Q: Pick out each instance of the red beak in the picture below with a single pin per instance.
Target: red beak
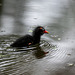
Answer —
(46, 32)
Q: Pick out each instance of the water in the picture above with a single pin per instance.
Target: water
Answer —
(17, 60)
(57, 17)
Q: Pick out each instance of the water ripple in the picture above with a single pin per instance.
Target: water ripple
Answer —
(14, 61)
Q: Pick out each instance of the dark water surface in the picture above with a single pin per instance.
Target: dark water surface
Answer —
(58, 17)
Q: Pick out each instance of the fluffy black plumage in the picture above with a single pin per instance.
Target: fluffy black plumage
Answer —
(28, 40)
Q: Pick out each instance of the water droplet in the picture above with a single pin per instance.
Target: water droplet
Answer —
(69, 54)
(70, 64)
(30, 31)
(59, 39)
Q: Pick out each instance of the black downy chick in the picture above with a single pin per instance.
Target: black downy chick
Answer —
(29, 40)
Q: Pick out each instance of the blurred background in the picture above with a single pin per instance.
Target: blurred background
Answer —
(20, 17)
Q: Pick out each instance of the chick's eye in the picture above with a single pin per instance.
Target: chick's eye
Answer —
(40, 27)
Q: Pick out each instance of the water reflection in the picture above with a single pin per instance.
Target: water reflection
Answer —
(40, 53)
(38, 49)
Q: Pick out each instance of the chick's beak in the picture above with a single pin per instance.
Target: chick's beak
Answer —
(46, 32)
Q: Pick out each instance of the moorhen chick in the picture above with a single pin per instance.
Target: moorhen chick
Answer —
(29, 40)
